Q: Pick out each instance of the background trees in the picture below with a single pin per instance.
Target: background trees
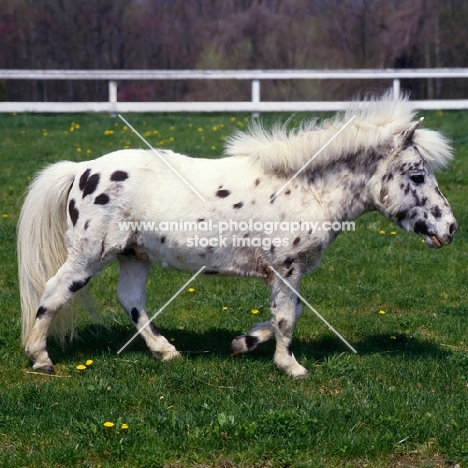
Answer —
(229, 34)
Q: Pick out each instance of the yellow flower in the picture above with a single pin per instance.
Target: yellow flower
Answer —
(109, 424)
(5, 215)
(124, 426)
(255, 311)
(382, 312)
(423, 241)
(200, 129)
(89, 362)
(108, 132)
(381, 231)
(225, 308)
(393, 337)
(81, 367)
(45, 133)
(393, 233)
(78, 149)
(191, 289)
(213, 147)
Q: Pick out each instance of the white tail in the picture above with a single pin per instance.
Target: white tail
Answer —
(41, 241)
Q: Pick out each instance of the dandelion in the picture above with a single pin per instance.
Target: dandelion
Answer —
(124, 426)
(393, 337)
(191, 289)
(213, 147)
(89, 362)
(88, 151)
(382, 312)
(381, 232)
(45, 133)
(108, 132)
(109, 424)
(225, 308)
(78, 149)
(393, 233)
(81, 367)
(5, 215)
(255, 311)
(423, 241)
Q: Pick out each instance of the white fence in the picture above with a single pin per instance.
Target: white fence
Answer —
(255, 105)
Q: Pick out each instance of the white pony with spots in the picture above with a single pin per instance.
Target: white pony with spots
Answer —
(71, 224)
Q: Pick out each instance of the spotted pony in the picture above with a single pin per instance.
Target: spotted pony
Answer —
(71, 222)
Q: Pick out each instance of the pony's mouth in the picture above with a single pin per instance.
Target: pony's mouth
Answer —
(436, 242)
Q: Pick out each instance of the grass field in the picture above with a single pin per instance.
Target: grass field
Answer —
(401, 401)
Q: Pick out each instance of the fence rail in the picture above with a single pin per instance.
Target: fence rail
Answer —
(255, 105)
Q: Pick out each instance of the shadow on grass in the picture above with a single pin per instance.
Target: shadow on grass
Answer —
(94, 340)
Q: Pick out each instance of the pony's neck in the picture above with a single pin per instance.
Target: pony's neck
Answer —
(343, 189)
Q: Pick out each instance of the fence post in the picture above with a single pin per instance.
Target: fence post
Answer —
(396, 88)
(255, 95)
(113, 94)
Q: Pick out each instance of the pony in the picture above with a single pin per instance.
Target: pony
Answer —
(242, 214)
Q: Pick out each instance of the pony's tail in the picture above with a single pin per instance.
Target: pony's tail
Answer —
(41, 240)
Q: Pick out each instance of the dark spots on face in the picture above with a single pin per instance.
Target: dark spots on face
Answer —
(135, 314)
(223, 193)
(119, 176)
(73, 211)
(383, 193)
(420, 227)
(288, 192)
(238, 205)
(407, 189)
(296, 240)
(272, 198)
(251, 342)
(102, 199)
(436, 212)
(91, 185)
(211, 272)
(77, 285)
(401, 215)
(86, 224)
(282, 324)
(154, 330)
(402, 186)
(40, 312)
(387, 177)
(162, 239)
(423, 201)
(289, 261)
(84, 179)
(257, 181)
(289, 273)
(128, 252)
(200, 220)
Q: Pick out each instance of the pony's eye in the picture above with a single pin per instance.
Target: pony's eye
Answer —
(417, 179)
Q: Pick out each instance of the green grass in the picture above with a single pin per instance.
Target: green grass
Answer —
(401, 401)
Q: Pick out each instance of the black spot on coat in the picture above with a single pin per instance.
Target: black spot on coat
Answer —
(73, 211)
(238, 205)
(102, 199)
(77, 285)
(91, 184)
(251, 342)
(223, 193)
(119, 176)
(135, 315)
(40, 312)
(84, 179)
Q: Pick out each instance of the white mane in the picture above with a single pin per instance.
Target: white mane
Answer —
(281, 151)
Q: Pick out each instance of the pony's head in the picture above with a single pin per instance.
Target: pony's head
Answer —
(406, 189)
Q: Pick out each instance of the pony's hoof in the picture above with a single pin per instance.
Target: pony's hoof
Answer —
(170, 355)
(44, 369)
(298, 372)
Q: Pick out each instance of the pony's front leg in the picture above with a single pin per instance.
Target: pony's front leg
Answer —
(131, 293)
(286, 309)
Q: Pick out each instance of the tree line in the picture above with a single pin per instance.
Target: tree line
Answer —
(230, 34)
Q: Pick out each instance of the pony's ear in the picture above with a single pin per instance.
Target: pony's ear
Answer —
(408, 135)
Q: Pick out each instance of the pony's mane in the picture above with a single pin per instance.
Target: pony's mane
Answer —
(376, 121)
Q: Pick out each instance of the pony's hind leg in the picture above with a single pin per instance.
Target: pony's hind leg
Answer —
(132, 296)
(69, 279)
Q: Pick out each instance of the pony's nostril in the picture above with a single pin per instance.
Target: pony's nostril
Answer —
(453, 227)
